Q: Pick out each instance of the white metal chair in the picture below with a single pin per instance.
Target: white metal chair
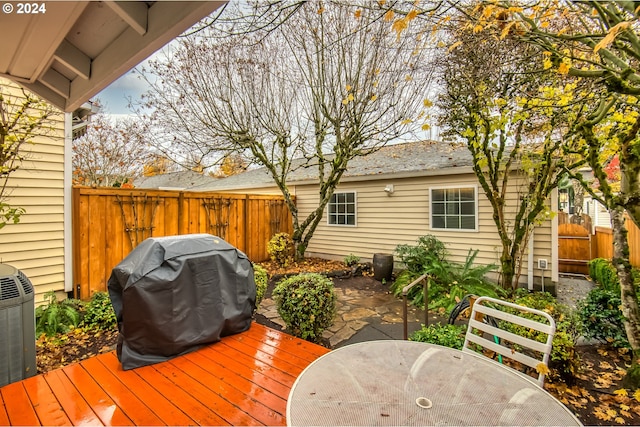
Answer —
(506, 343)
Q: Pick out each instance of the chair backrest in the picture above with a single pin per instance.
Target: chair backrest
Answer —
(493, 336)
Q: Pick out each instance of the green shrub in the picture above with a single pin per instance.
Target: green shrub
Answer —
(448, 282)
(564, 361)
(261, 279)
(57, 316)
(602, 318)
(98, 313)
(445, 335)
(280, 249)
(604, 273)
(306, 303)
(351, 260)
(427, 254)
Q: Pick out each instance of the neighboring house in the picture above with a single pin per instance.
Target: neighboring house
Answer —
(399, 193)
(40, 244)
(174, 180)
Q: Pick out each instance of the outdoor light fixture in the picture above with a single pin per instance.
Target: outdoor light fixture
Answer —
(389, 189)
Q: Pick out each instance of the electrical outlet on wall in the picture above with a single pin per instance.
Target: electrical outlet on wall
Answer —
(542, 264)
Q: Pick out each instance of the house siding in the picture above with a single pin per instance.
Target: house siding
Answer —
(36, 244)
(383, 222)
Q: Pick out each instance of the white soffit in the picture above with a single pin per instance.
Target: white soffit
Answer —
(67, 52)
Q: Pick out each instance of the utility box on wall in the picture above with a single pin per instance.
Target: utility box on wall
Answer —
(17, 326)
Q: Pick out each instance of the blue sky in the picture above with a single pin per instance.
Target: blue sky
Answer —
(115, 97)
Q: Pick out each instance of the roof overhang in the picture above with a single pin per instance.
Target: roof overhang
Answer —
(72, 50)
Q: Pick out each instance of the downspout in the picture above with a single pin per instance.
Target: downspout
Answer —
(67, 212)
(554, 240)
(530, 262)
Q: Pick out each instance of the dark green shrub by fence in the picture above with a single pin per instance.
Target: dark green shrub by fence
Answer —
(280, 249)
(604, 273)
(98, 313)
(57, 316)
(307, 303)
(600, 313)
(261, 278)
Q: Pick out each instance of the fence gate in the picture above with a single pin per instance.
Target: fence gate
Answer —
(574, 249)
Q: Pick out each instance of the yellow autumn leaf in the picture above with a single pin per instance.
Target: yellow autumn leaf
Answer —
(408, 78)
(357, 14)
(350, 97)
(563, 68)
(544, 24)
(621, 392)
(320, 11)
(405, 122)
(506, 29)
(382, 2)
(611, 35)
(541, 368)
(375, 84)
(348, 87)
(389, 16)
(426, 126)
(620, 420)
(345, 102)
(427, 103)
(455, 45)
(374, 97)
(399, 26)
(412, 15)
(478, 28)
(612, 412)
(636, 395)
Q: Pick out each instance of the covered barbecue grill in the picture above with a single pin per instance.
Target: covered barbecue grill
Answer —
(174, 294)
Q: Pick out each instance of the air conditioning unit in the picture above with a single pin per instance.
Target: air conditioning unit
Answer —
(17, 326)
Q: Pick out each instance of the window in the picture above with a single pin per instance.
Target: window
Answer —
(454, 208)
(342, 209)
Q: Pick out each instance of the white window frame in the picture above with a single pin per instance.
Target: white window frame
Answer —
(459, 187)
(355, 209)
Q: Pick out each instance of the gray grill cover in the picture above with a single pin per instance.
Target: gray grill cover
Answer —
(172, 295)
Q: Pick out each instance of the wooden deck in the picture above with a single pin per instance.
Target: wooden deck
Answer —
(242, 380)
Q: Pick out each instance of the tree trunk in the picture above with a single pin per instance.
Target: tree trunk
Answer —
(628, 295)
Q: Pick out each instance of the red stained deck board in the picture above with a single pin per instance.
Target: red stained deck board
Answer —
(18, 404)
(159, 404)
(249, 372)
(101, 404)
(239, 402)
(4, 418)
(242, 380)
(46, 405)
(73, 404)
(131, 405)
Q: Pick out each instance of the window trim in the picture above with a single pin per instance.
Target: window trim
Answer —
(474, 187)
(355, 209)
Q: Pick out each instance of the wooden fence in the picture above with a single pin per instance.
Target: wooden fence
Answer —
(109, 223)
(602, 243)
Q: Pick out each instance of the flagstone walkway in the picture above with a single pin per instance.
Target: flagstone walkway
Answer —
(366, 310)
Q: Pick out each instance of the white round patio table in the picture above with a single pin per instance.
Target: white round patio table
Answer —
(412, 383)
